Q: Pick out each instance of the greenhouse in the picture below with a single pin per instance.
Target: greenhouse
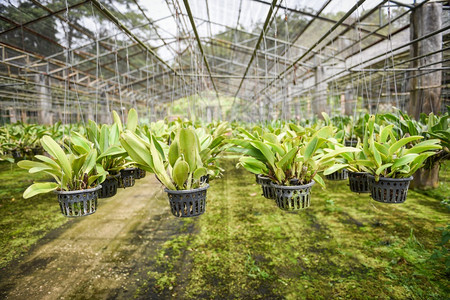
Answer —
(212, 149)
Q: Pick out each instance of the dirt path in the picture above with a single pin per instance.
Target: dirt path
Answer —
(103, 256)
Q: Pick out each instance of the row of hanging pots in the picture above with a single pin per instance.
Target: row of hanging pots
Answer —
(385, 190)
(84, 202)
(296, 197)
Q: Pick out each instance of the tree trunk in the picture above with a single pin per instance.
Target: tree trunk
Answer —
(426, 179)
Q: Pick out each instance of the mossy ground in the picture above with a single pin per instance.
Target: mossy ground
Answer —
(344, 246)
(23, 221)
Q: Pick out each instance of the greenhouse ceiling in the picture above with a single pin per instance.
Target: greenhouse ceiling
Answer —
(113, 54)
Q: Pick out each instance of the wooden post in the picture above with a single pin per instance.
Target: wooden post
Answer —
(425, 94)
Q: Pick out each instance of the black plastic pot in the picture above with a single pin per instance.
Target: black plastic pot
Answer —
(257, 179)
(127, 177)
(17, 154)
(37, 150)
(389, 190)
(187, 203)
(109, 186)
(267, 189)
(358, 182)
(139, 173)
(78, 203)
(350, 143)
(204, 179)
(338, 175)
(294, 197)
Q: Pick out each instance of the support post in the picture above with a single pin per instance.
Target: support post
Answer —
(349, 101)
(425, 94)
(44, 105)
(209, 114)
(319, 103)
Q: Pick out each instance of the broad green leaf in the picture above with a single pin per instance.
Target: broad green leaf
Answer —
(187, 147)
(317, 178)
(117, 121)
(334, 168)
(385, 133)
(112, 151)
(404, 160)
(180, 172)
(55, 150)
(39, 188)
(288, 159)
(173, 153)
(419, 149)
(266, 151)
(132, 120)
(199, 173)
(136, 148)
(311, 148)
(382, 168)
(397, 145)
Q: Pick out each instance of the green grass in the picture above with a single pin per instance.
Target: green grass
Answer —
(345, 245)
(23, 221)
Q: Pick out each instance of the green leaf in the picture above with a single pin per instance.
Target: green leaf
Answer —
(288, 159)
(112, 151)
(199, 173)
(180, 172)
(188, 147)
(382, 168)
(334, 168)
(117, 121)
(317, 178)
(402, 142)
(55, 150)
(132, 120)
(311, 148)
(136, 149)
(266, 151)
(253, 165)
(385, 133)
(39, 188)
(404, 160)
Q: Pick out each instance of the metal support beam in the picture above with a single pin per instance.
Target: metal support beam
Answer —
(266, 24)
(119, 24)
(200, 47)
(335, 26)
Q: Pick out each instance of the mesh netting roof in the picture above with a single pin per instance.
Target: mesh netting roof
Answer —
(126, 53)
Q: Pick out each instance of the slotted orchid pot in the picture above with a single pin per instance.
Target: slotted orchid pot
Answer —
(390, 163)
(77, 178)
(180, 170)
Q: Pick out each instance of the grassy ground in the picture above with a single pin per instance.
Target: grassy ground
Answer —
(23, 221)
(345, 245)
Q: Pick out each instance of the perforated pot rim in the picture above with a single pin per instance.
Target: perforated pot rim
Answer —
(370, 176)
(113, 176)
(186, 191)
(358, 173)
(79, 191)
(129, 169)
(293, 187)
